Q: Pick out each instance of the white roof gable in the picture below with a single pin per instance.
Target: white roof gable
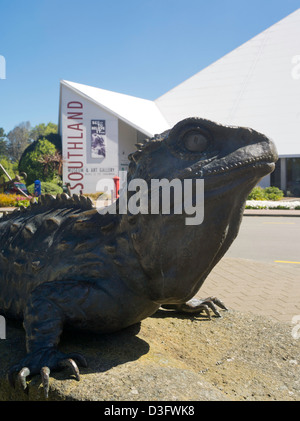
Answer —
(256, 85)
(142, 114)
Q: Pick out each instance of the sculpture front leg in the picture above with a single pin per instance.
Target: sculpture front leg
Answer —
(44, 316)
(196, 306)
(42, 361)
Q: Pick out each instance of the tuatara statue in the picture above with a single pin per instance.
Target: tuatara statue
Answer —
(64, 264)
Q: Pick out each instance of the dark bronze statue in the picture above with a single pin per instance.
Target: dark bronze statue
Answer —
(64, 264)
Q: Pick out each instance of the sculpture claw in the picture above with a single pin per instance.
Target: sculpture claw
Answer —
(79, 358)
(45, 373)
(41, 361)
(196, 306)
(208, 303)
(71, 363)
(216, 301)
(22, 376)
(205, 308)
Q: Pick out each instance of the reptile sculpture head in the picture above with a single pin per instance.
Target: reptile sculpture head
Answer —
(231, 161)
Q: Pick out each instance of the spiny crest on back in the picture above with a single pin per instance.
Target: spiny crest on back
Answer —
(48, 201)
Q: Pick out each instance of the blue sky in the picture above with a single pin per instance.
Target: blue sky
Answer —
(138, 47)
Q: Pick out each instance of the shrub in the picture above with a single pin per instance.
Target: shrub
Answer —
(269, 193)
(273, 193)
(257, 194)
(30, 161)
(47, 188)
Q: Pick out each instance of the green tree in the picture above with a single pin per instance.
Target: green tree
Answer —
(48, 158)
(3, 143)
(18, 140)
(41, 130)
(10, 167)
(39, 162)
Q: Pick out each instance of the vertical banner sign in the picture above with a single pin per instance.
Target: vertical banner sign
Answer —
(98, 139)
(90, 143)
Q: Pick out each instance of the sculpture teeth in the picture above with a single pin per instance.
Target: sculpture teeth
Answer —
(234, 165)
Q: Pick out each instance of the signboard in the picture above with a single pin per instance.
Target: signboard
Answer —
(90, 142)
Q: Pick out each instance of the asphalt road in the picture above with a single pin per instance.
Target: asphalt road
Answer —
(268, 239)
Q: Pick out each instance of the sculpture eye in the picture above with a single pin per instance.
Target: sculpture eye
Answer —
(195, 141)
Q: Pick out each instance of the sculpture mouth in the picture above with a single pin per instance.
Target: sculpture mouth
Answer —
(263, 164)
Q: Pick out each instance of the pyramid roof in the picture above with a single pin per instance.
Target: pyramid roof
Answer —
(256, 85)
(142, 114)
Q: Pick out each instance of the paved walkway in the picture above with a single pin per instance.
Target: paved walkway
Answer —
(270, 289)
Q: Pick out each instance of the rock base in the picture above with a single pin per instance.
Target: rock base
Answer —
(170, 357)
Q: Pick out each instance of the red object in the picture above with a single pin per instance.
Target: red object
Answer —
(117, 185)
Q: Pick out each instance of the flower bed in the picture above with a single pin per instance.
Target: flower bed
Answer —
(13, 200)
(268, 204)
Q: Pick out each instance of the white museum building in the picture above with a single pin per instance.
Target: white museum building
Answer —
(256, 85)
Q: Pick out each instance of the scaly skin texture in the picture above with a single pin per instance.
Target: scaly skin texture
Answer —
(63, 264)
